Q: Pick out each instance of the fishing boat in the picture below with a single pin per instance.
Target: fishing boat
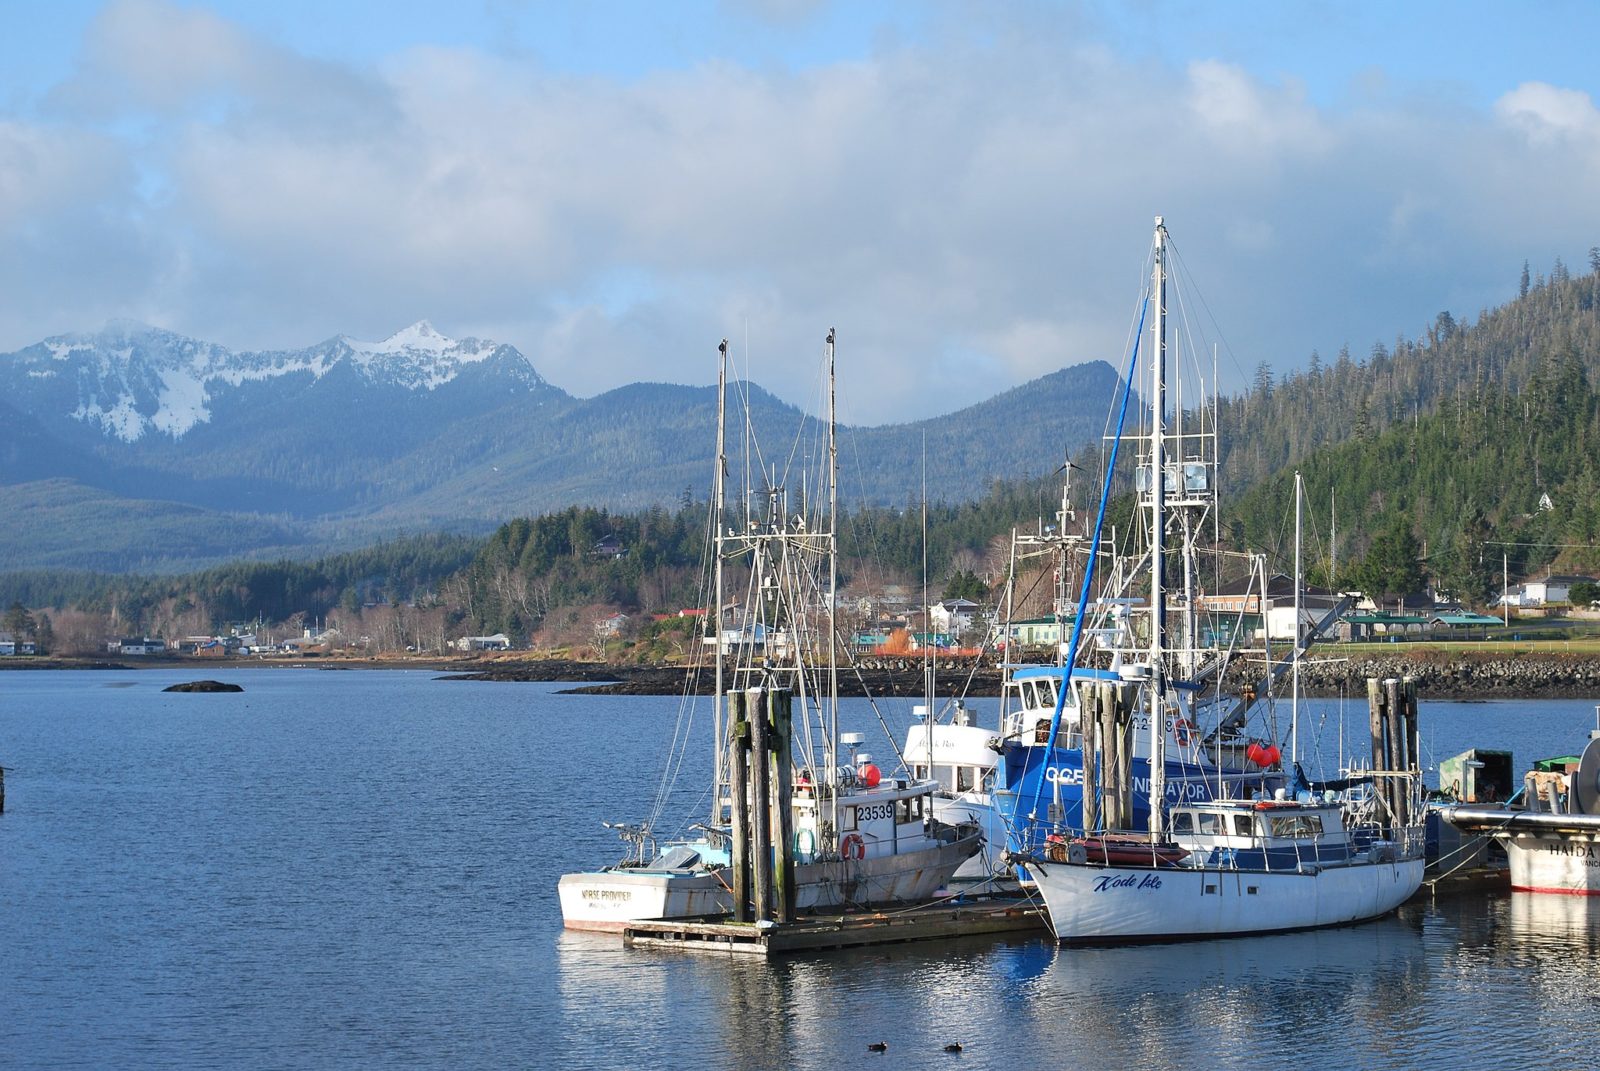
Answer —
(964, 764)
(801, 818)
(1228, 854)
(1551, 829)
(1217, 661)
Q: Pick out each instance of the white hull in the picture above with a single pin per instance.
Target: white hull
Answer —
(977, 809)
(1555, 863)
(608, 900)
(1090, 903)
(1553, 853)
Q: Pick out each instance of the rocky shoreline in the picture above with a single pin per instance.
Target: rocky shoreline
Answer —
(1439, 675)
(1526, 676)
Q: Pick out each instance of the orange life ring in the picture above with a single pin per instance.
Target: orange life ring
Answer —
(853, 847)
(1181, 729)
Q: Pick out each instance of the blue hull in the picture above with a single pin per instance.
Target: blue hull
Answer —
(1043, 796)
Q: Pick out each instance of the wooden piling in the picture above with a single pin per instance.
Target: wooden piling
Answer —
(1116, 739)
(1089, 722)
(1395, 732)
(780, 705)
(739, 813)
(1378, 726)
(760, 801)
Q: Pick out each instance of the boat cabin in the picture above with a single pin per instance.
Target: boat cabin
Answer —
(887, 818)
(1261, 834)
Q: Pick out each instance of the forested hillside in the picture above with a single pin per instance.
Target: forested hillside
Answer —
(1471, 449)
(1283, 419)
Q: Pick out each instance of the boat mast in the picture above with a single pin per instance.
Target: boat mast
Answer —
(1158, 520)
(833, 584)
(1294, 698)
(717, 492)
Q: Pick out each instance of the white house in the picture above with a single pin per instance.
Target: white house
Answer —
(498, 642)
(953, 616)
(1550, 589)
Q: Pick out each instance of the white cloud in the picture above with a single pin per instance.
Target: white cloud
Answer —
(1546, 113)
(968, 214)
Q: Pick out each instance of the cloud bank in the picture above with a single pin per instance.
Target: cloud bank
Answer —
(969, 211)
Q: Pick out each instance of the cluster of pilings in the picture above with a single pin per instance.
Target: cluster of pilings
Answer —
(1105, 709)
(760, 742)
(1392, 709)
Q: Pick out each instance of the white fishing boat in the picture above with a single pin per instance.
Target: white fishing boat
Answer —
(1244, 860)
(1551, 829)
(964, 764)
(792, 827)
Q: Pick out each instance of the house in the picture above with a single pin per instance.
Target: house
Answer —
(610, 546)
(1242, 608)
(610, 626)
(498, 642)
(1550, 590)
(954, 616)
(11, 645)
(140, 645)
(1038, 632)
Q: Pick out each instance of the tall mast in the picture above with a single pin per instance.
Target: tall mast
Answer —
(1294, 698)
(717, 525)
(1158, 521)
(833, 580)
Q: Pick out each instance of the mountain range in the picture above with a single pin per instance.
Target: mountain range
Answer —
(135, 448)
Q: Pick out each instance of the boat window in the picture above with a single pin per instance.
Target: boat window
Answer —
(1211, 823)
(1041, 731)
(1183, 822)
(1299, 825)
(1244, 825)
(1047, 693)
(987, 785)
(909, 810)
(919, 771)
(847, 820)
(964, 778)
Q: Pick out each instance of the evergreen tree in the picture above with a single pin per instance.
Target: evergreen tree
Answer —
(1392, 565)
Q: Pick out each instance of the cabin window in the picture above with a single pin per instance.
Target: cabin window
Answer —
(1183, 822)
(987, 784)
(1211, 824)
(964, 778)
(919, 772)
(1041, 731)
(1244, 825)
(909, 810)
(1299, 825)
(848, 819)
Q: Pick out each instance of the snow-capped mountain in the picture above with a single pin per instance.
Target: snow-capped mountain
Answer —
(137, 448)
(129, 380)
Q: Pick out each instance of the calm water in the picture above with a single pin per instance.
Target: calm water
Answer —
(358, 869)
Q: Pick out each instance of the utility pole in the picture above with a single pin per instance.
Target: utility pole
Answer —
(1505, 590)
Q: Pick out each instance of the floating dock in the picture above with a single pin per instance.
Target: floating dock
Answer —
(816, 933)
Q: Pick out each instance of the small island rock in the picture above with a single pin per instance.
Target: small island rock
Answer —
(203, 686)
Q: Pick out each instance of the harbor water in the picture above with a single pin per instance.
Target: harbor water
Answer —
(358, 869)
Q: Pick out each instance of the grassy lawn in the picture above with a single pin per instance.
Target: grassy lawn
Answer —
(1541, 636)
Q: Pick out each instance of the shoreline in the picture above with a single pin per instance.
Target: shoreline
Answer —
(1466, 676)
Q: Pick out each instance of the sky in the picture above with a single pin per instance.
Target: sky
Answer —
(963, 190)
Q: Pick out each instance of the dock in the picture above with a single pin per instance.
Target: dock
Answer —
(819, 932)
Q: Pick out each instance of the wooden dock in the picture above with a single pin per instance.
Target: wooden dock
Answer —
(817, 932)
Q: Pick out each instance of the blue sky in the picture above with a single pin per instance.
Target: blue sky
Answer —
(964, 190)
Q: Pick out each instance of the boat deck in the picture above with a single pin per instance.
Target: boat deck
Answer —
(818, 932)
